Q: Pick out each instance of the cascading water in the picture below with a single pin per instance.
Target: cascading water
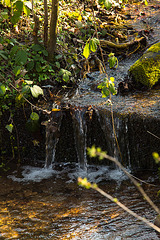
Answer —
(52, 137)
(80, 136)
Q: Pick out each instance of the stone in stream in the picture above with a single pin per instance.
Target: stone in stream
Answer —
(146, 70)
(144, 73)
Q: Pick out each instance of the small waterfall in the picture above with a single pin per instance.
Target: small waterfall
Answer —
(121, 129)
(52, 137)
(105, 122)
(80, 136)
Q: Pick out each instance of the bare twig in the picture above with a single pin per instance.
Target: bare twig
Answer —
(135, 182)
(153, 135)
(126, 209)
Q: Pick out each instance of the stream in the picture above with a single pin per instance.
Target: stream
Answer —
(48, 204)
(45, 202)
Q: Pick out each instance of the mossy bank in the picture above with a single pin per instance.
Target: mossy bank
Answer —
(146, 70)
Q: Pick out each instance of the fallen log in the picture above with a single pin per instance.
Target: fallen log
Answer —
(123, 46)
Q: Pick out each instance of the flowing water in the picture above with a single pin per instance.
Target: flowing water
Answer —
(40, 203)
(47, 203)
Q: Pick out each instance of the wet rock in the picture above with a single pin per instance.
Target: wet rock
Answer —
(146, 71)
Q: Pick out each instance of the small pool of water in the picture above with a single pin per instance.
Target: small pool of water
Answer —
(48, 204)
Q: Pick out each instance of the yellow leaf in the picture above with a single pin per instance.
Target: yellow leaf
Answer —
(35, 142)
(80, 18)
(114, 215)
(55, 109)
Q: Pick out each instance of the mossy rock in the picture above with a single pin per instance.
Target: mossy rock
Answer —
(146, 70)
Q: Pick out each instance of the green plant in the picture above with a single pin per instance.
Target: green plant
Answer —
(15, 10)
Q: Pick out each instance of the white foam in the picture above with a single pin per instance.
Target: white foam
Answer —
(34, 174)
(93, 173)
(97, 174)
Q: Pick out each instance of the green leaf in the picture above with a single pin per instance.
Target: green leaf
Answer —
(15, 18)
(57, 64)
(65, 74)
(105, 92)
(45, 53)
(37, 48)
(13, 50)
(9, 127)
(112, 60)
(93, 44)
(25, 89)
(21, 57)
(26, 10)
(101, 85)
(4, 14)
(30, 65)
(112, 89)
(2, 90)
(38, 67)
(17, 70)
(2, 54)
(59, 56)
(36, 91)
(18, 5)
(86, 51)
(107, 4)
(34, 116)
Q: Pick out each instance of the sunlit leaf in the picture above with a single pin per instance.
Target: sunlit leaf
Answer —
(55, 110)
(9, 127)
(92, 45)
(86, 51)
(29, 82)
(156, 157)
(65, 74)
(112, 89)
(112, 61)
(146, 2)
(2, 90)
(80, 18)
(8, 3)
(17, 70)
(105, 92)
(36, 91)
(26, 10)
(107, 4)
(34, 116)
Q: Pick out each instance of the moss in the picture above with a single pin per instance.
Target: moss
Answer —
(147, 69)
(154, 48)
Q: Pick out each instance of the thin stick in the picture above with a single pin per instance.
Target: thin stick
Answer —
(138, 186)
(153, 135)
(126, 209)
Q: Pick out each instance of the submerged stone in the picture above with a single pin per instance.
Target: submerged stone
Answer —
(146, 70)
